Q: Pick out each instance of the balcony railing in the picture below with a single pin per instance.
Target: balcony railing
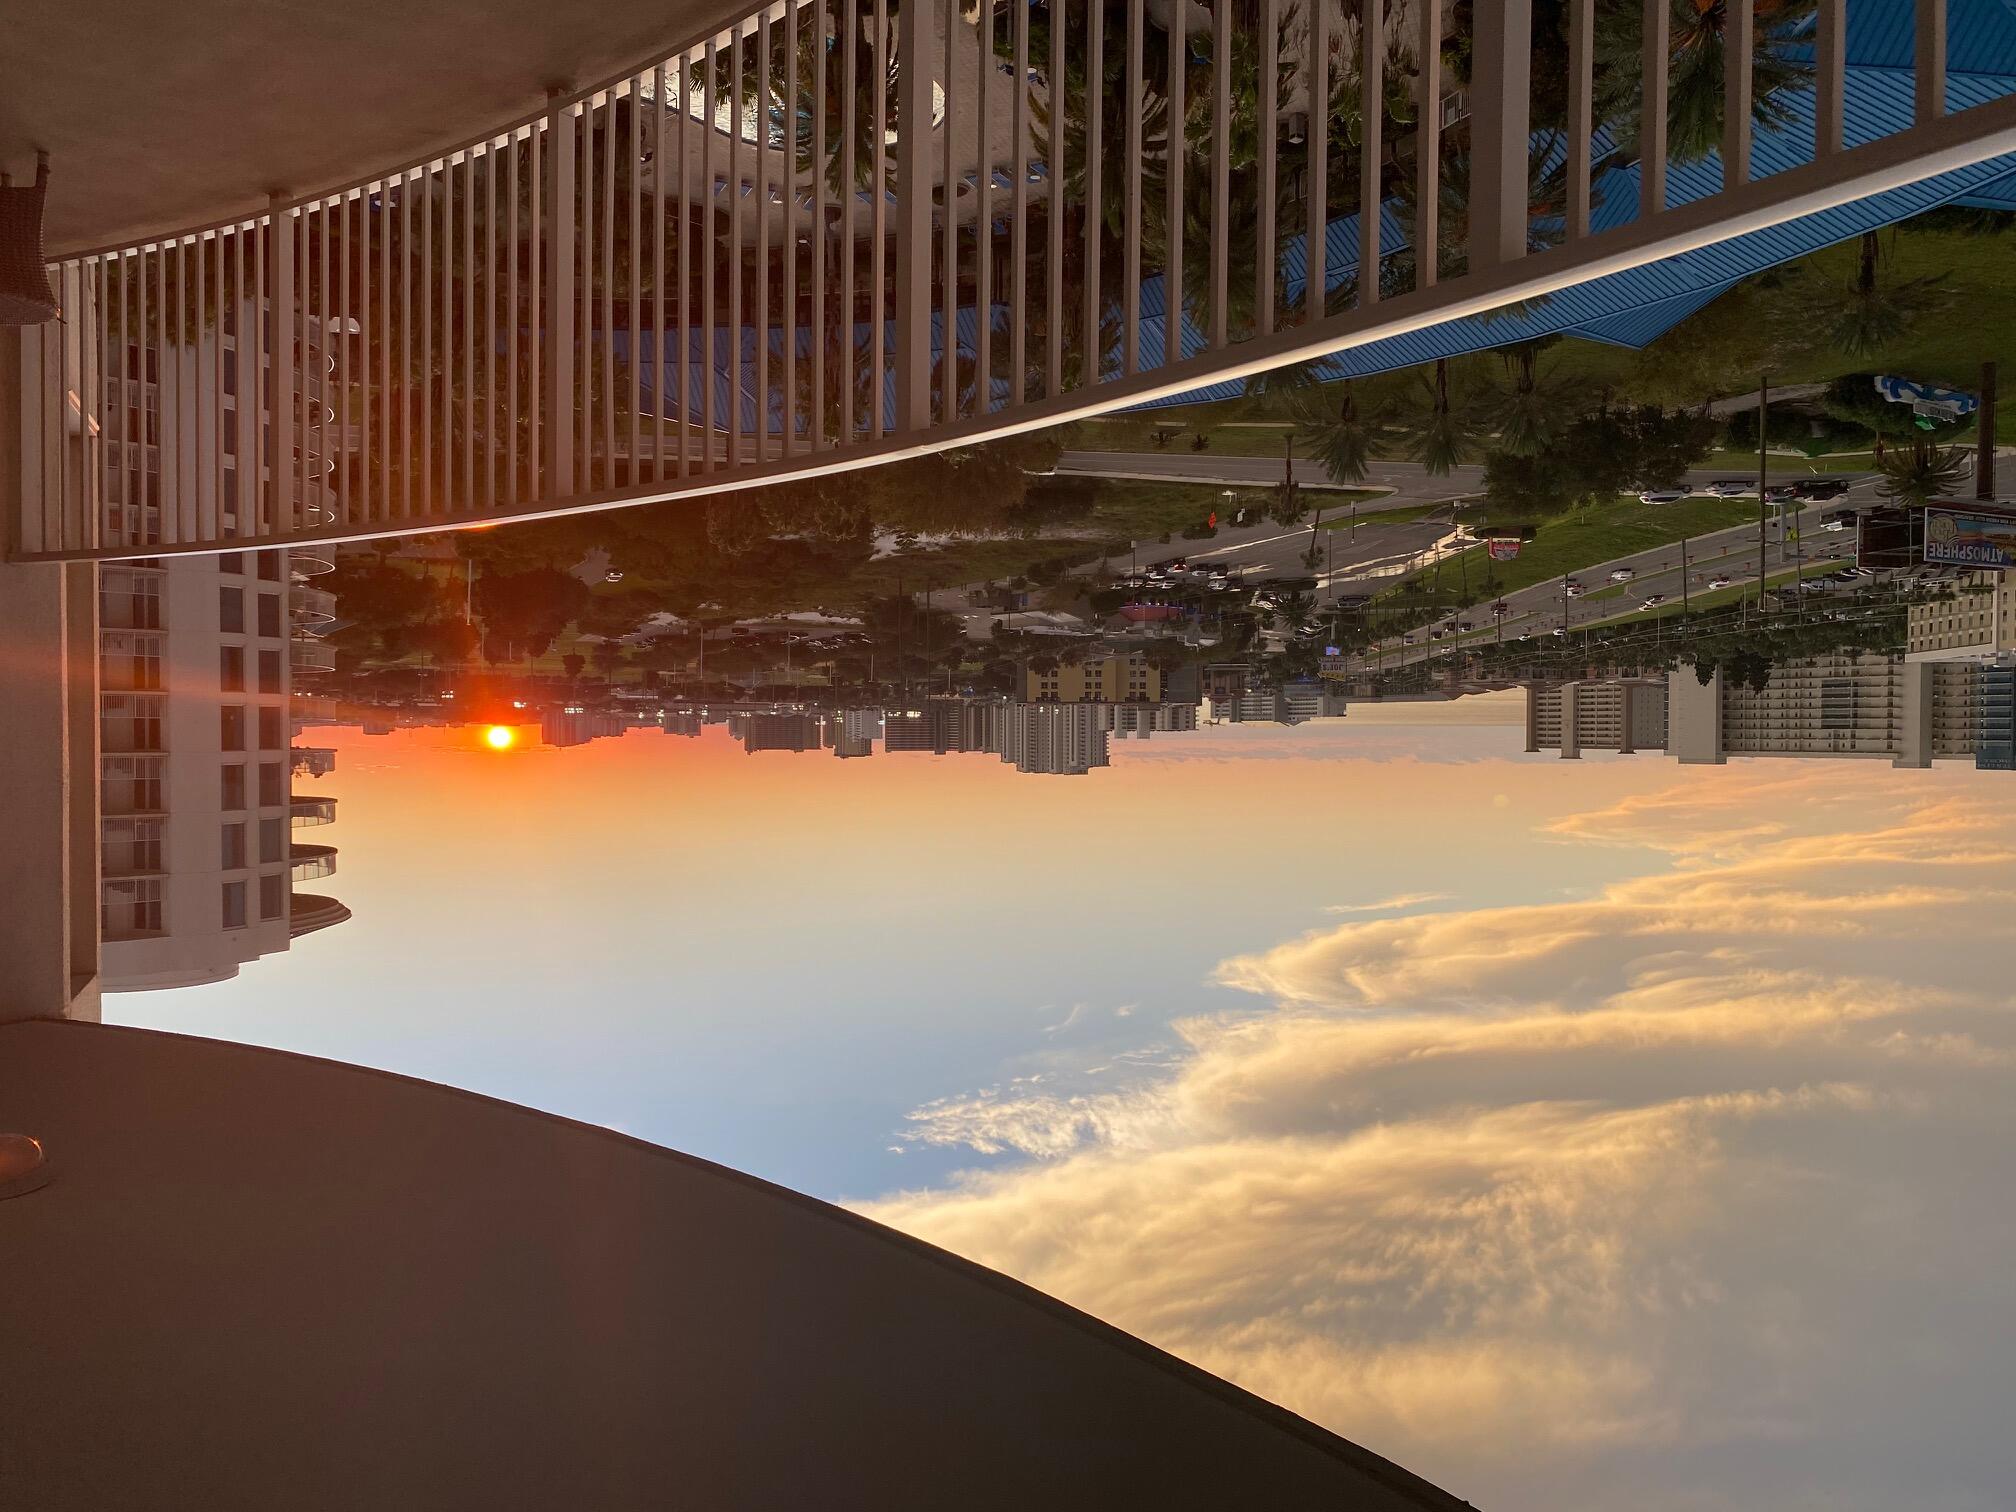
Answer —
(308, 862)
(309, 810)
(588, 308)
(311, 654)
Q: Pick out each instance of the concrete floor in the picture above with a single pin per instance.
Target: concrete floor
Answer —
(261, 1280)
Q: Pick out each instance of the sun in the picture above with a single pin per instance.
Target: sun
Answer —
(500, 737)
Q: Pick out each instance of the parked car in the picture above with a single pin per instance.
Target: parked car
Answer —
(1462, 624)
(1622, 574)
(1437, 633)
(1730, 488)
(1820, 489)
(1783, 493)
(1665, 495)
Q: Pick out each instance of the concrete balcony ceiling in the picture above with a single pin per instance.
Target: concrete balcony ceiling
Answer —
(161, 117)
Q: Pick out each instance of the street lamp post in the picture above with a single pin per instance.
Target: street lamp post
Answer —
(1763, 481)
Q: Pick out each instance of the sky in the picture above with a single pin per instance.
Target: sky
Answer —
(1574, 1133)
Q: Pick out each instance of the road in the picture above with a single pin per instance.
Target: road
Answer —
(1731, 554)
(1268, 551)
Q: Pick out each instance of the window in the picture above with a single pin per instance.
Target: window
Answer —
(269, 672)
(269, 614)
(233, 786)
(131, 661)
(130, 908)
(272, 841)
(234, 905)
(272, 728)
(269, 565)
(130, 722)
(231, 561)
(272, 784)
(231, 731)
(130, 845)
(234, 847)
(132, 784)
(272, 896)
(231, 669)
(231, 610)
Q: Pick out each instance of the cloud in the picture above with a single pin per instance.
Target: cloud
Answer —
(1693, 1193)
(1390, 905)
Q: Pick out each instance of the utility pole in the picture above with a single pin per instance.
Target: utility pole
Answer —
(1763, 481)
(1984, 438)
(1686, 606)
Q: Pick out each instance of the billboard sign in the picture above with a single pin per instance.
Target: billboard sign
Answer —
(1502, 551)
(1960, 539)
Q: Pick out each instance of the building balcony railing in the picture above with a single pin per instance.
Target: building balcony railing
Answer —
(312, 861)
(312, 606)
(311, 654)
(308, 810)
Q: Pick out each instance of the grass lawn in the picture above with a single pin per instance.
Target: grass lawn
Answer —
(1572, 543)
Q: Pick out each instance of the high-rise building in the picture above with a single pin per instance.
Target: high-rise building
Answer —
(1146, 719)
(576, 724)
(1056, 738)
(852, 732)
(684, 722)
(944, 726)
(1995, 734)
(1291, 704)
(1977, 624)
(780, 732)
(197, 657)
(1623, 714)
(1849, 704)
(1121, 677)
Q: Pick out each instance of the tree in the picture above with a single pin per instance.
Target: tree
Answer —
(528, 609)
(1923, 472)
(1339, 440)
(1698, 49)
(1444, 436)
(1527, 417)
(1865, 315)
(574, 664)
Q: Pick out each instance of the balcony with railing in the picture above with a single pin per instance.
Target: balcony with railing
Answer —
(310, 653)
(308, 810)
(731, 264)
(308, 862)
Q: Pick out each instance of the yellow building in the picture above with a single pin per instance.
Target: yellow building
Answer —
(1131, 678)
(1978, 622)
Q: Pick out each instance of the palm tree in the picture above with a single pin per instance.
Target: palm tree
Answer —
(1922, 473)
(1697, 48)
(1865, 315)
(1341, 441)
(1525, 417)
(1444, 436)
